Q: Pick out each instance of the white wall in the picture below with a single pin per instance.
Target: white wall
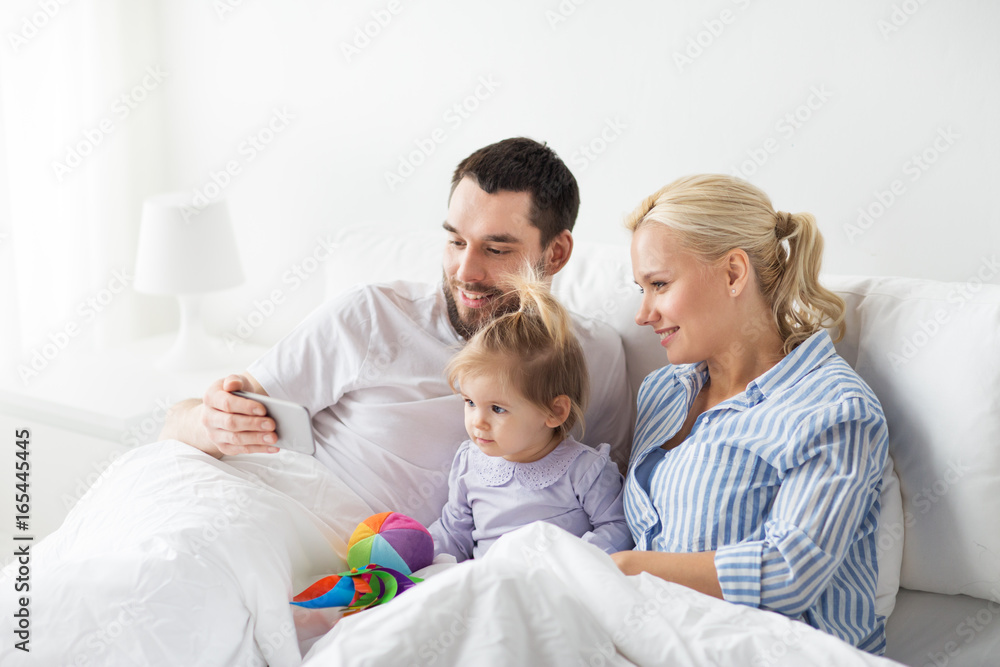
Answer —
(887, 81)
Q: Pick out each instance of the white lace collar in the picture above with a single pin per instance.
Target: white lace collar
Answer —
(497, 471)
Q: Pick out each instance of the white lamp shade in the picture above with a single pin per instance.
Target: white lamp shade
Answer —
(184, 248)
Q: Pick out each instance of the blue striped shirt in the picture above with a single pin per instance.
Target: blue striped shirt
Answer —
(782, 481)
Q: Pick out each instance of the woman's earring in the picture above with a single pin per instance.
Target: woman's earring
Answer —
(734, 291)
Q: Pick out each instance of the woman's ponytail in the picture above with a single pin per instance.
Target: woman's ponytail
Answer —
(801, 306)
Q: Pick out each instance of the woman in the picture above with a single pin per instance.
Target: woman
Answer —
(757, 460)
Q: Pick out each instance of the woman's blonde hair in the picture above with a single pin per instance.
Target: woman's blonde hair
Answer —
(713, 214)
(532, 350)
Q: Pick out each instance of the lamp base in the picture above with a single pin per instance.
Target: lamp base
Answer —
(194, 349)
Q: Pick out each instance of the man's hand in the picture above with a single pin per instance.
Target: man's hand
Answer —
(236, 425)
(223, 424)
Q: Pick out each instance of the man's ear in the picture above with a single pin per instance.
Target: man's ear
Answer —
(557, 253)
(559, 410)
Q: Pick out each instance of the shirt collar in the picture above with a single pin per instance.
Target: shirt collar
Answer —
(497, 471)
(806, 357)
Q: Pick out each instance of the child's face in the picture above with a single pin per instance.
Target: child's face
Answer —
(505, 423)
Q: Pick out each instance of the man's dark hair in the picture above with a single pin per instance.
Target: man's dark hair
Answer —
(524, 165)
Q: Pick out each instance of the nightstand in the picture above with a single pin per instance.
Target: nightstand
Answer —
(117, 395)
(84, 410)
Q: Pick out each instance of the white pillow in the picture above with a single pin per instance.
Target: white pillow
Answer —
(931, 352)
(371, 254)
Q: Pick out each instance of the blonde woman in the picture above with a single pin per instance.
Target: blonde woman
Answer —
(756, 465)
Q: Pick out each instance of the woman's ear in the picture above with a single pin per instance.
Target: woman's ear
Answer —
(737, 270)
(559, 410)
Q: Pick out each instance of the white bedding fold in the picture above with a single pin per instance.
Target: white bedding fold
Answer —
(542, 596)
(176, 558)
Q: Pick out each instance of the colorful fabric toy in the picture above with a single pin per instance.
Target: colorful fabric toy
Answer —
(357, 590)
(384, 550)
(392, 540)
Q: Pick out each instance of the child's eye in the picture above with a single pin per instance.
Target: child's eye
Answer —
(469, 403)
(497, 409)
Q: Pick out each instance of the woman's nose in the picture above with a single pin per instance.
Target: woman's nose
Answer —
(645, 314)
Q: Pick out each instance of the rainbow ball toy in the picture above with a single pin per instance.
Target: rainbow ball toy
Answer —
(392, 540)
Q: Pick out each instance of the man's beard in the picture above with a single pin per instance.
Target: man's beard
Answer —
(499, 305)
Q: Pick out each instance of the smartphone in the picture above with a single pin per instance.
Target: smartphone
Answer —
(291, 422)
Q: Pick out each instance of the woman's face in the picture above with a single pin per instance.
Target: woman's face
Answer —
(684, 300)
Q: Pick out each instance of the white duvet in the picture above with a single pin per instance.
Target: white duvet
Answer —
(177, 559)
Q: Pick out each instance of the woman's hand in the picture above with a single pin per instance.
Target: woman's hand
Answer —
(694, 570)
(624, 560)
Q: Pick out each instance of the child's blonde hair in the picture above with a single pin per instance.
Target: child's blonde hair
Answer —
(532, 350)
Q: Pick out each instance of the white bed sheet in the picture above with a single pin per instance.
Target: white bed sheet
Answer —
(944, 630)
(175, 558)
(544, 597)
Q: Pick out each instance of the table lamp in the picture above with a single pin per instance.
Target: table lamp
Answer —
(187, 251)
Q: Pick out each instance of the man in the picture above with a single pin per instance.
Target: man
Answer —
(369, 365)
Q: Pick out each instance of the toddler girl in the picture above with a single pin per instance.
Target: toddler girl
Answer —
(525, 382)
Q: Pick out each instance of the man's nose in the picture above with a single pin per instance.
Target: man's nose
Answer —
(470, 268)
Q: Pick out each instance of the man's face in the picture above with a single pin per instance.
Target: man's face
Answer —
(488, 236)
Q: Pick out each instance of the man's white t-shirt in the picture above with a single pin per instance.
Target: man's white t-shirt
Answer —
(369, 367)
